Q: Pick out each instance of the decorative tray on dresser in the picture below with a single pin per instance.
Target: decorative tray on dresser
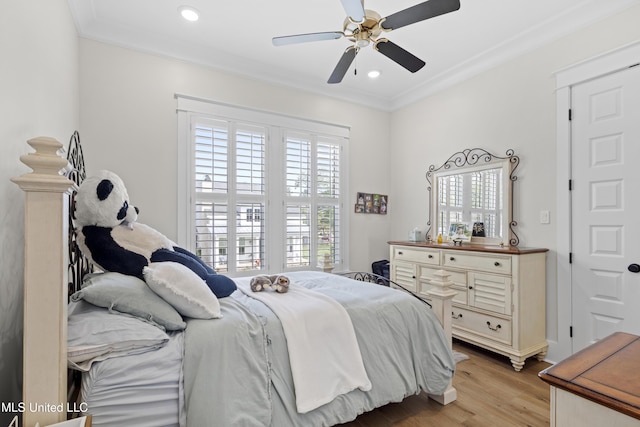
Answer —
(501, 297)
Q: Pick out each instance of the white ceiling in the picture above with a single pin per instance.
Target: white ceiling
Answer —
(235, 36)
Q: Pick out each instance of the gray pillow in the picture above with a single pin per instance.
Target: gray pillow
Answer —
(94, 335)
(121, 293)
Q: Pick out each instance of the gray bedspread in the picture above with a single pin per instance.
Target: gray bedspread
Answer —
(236, 369)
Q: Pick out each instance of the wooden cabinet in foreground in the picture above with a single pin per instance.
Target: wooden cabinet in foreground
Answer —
(501, 297)
(598, 386)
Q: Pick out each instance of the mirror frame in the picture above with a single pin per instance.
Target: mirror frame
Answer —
(473, 157)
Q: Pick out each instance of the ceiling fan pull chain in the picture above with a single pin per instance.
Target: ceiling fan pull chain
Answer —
(355, 63)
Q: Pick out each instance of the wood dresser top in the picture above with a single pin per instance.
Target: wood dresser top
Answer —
(511, 250)
(607, 372)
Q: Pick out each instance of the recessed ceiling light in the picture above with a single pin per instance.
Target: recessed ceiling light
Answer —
(373, 74)
(189, 13)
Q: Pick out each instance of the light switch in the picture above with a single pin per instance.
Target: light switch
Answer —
(544, 217)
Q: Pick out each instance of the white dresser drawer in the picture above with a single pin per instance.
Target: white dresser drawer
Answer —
(424, 256)
(489, 263)
(494, 328)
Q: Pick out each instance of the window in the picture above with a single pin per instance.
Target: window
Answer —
(312, 192)
(260, 191)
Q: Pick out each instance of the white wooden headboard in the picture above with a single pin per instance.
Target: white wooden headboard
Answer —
(46, 226)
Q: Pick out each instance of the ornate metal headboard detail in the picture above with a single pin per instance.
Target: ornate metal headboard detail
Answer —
(363, 276)
(474, 157)
(78, 264)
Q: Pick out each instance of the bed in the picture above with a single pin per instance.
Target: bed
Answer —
(239, 369)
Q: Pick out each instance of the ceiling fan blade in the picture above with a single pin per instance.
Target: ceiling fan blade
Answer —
(354, 9)
(419, 12)
(343, 65)
(304, 38)
(399, 55)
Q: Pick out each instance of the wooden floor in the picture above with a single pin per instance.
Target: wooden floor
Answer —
(490, 394)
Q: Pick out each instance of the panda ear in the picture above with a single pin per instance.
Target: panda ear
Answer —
(104, 189)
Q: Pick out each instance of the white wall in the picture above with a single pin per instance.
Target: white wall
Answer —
(510, 106)
(129, 125)
(39, 87)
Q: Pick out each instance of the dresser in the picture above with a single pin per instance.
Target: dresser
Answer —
(501, 297)
(598, 386)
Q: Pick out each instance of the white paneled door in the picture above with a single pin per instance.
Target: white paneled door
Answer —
(605, 207)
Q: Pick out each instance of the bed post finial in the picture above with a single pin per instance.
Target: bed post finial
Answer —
(45, 281)
(47, 165)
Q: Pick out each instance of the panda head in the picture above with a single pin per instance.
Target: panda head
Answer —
(102, 200)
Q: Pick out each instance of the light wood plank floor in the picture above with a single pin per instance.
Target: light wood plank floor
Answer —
(490, 394)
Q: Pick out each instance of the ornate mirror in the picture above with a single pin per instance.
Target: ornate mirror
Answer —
(471, 198)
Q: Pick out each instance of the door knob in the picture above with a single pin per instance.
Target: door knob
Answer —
(634, 268)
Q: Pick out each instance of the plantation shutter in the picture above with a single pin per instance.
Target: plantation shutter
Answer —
(313, 192)
(260, 191)
(230, 194)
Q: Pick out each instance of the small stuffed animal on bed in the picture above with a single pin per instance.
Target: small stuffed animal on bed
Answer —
(259, 283)
(280, 283)
(275, 282)
(110, 237)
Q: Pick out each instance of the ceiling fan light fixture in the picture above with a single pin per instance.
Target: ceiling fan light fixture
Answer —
(362, 28)
(362, 38)
(189, 13)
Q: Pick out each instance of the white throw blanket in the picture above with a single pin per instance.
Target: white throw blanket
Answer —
(323, 350)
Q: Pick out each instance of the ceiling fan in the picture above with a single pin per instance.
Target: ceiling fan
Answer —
(363, 26)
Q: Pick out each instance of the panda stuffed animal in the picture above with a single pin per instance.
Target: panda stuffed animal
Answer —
(110, 237)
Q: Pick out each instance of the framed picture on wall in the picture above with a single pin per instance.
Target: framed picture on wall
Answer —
(371, 203)
(384, 199)
(368, 203)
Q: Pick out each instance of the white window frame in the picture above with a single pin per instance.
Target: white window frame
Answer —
(275, 229)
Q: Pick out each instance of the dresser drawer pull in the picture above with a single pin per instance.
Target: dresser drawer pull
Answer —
(430, 256)
(497, 264)
(400, 253)
(496, 329)
(454, 316)
(452, 259)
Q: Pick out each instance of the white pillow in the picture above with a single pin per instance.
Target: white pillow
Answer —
(183, 289)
